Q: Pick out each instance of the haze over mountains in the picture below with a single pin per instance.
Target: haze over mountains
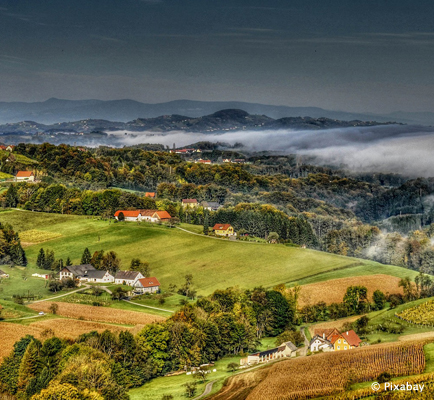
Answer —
(58, 110)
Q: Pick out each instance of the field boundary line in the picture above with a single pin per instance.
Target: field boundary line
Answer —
(216, 238)
(153, 308)
(61, 295)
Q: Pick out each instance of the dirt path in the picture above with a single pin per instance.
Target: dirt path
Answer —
(62, 295)
(154, 308)
(216, 238)
(303, 350)
(207, 390)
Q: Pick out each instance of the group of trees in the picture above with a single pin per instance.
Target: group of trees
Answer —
(306, 204)
(11, 251)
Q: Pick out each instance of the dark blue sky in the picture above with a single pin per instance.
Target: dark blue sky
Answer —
(348, 55)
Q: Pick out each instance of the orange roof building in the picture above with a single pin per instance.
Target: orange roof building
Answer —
(223, 230)
(147, 285)
(24, 176)
(150, 194)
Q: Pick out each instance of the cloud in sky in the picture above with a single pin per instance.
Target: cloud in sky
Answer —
(391, 148)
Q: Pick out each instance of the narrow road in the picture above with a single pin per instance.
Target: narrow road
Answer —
(154, 308)
(207, 390)
(62, 295)
(303, 350)
(216, 238)
(18, 319)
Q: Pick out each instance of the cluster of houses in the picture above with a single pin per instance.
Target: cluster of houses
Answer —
(323, 340)
(87, 273)
(207, 205)
(333, 340)
(143, 215)
(7, 147)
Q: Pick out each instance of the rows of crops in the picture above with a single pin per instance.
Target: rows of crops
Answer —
(422, 314)
(101, 314)
(330, 373)
(427, 380)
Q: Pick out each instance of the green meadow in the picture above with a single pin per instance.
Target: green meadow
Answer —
(173, 253)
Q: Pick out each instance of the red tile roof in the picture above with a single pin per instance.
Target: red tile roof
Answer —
(327, 333)
(24, 174)
(352, 338)
(334, 338)
(163, 215)
(127, 213)
(148, 213)
(150, 194)
(221, 227)
(189, 201)
(149, 282)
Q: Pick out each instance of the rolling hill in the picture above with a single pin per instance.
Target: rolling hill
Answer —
(173, 253)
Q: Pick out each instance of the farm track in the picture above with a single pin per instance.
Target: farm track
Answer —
(213, 237)
(207, 390)
(153, 308)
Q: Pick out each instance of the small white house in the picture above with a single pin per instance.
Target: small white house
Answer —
(75, 271)
(147, 285)
(98, 276)
(319, 343)
(127, 277)
(23, 176)
(287, 349)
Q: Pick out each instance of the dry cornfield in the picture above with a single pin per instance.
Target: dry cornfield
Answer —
(333, 291)
(61, 327)
(329, 373)
(10, 333)
(100, 314)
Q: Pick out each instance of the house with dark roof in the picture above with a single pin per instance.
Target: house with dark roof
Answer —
(286, 349)
(223, 230)
(127, 277)
(75, 271)
(210, 205)
(98, 276)
(147, 285)
(319, 343)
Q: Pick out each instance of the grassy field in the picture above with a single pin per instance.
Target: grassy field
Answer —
(173, 253)
(4, 175)
(173, 385)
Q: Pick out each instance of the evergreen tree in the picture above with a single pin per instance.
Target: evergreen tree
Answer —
(40, 261)
(49, 259)
(68, 262)
(86, 257)
(206, 223)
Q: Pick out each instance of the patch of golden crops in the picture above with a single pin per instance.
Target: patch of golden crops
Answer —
(35, 236)
(101, 314)
(329, 373)
(333, 291)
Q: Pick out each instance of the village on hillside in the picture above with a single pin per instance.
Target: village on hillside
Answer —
(324, 340)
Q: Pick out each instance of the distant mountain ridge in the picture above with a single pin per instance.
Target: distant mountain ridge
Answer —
(220, 121)
(58, 110)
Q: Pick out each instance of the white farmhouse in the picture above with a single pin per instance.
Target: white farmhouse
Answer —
(127, 277)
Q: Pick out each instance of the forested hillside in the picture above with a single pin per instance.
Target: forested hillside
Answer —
(384, 217)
